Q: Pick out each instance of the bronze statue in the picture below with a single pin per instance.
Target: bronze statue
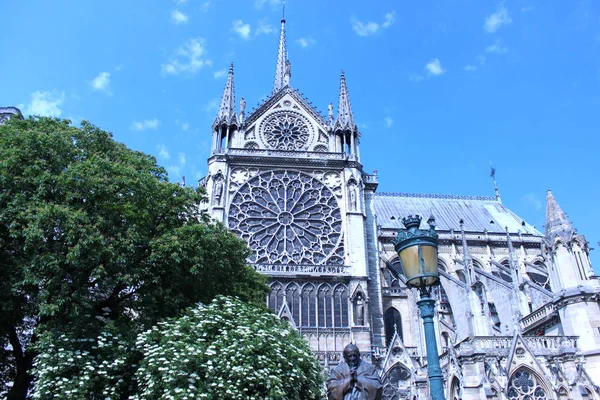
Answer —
(354, 379)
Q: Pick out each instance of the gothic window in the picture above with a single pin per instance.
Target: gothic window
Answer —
(325, 307)
(398, 375)
(251, 145)
(321, 148)
(480, 292)
(340, 306)
(455, 389)
(288, 217)
(397, 266)
(286, 130)
(563, 394)
(309, 301)
(461, 276)
(390, 393)
(524, 385)
(504, 273)
(292, 294)
(276, 296)
(393, 323)
(542, 280)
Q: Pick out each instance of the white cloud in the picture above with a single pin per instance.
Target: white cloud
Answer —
(149, 124)
(204, 6)
(494, 21)
(388, 122)
(261, 3)
(470, 67)
(528, 8)
(47, 104)
(305, 42)
(220, 73)
(190, 57)
(180, 1)
(177, 17)
(185, 126)
(416, 77)
(101, 82)
(481, 59)
(213, 105)
(119, 67)
(434, 67)
(163, 152)
(497, 47)
(182, 159)
(264, 28)
(533, 200)
(241, 29)
(370, 27)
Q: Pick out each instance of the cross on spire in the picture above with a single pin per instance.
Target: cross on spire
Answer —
(283, 64)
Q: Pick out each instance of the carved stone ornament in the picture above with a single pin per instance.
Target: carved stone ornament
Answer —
(288, 217)
(286, 130)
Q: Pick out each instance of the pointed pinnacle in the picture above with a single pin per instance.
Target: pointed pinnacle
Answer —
(282, 60)
(345, 118)
(556, 219)
(226, 114)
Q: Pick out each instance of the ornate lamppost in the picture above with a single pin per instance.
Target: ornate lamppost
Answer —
(417, 249)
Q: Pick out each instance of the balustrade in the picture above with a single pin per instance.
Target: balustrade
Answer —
(288, 269)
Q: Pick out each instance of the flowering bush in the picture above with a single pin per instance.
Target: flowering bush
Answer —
(226, 350)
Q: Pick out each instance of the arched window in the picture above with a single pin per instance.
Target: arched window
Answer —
(393, 323)
(397, 266)
(398, 375)
(524, 385)
(445, 340)
(481, 295)
(340, 306)
(563, 394)
(320, 148)
(251, 145)
(461, 276)
(504, 273)
(542, 280)
(276, 297)
(309, 301)
(325, 307)
(292, 294)
(455, 392)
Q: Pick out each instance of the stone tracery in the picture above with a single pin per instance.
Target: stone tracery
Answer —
(288, 217)
(286, 130)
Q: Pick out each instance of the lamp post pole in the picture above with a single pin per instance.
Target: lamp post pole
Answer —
(436, 380)
(417, 249)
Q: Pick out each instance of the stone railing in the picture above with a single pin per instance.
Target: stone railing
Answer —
(537, 315)
(395, 291)
(284, 153)
(370, 178)
(287, 269)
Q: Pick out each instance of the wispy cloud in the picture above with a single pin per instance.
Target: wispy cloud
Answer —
(212, 105)
(526, 9)
(185, 126)
(497, 48)
(241, 29)
(47, 104)
(494, 21)
(533, 200)
(470, 68)
(220, 73)
(177, 17)
(261, 3)
(305, 42)
(370, 28)
(163, 152)
(388, 122)
(416, 77)
(189, 58)
(101, 82)
(434, 67)
(264, 28)
(149, 124)
(175, 169)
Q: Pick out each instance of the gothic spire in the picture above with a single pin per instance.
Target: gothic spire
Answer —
(493, 175)
(557, 222)
(345, 119)
(282, 68)
(227, 113)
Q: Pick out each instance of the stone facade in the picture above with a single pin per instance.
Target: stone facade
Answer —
(518, 312)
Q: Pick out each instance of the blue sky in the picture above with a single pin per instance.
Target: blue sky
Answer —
(439, 88)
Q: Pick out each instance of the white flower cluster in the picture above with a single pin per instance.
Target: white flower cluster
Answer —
(227, 350)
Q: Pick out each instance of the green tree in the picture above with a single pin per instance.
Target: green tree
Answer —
(224, 351)
(94, 239)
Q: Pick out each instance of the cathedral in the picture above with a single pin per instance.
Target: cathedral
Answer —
(518, 310)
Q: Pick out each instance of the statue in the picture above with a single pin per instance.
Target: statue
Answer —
(359, 310)
(218, 189)
(330, 113)
(354, 379)
(242, 106)
(352, 190)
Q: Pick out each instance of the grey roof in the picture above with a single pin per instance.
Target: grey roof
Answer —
(477, 212)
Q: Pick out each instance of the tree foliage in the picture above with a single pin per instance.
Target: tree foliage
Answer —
(92, 235)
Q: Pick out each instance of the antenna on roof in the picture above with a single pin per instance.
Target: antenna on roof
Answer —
(493, 175)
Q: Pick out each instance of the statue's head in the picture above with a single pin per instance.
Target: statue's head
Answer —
(352, 355)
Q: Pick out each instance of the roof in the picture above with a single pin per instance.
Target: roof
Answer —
(479, 213)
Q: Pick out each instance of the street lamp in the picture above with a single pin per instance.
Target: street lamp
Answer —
(417, 249)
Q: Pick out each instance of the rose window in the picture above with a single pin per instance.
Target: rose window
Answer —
(286, 131)
(524, 386)
(288, 217)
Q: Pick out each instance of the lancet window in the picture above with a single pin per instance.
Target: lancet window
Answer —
(393, 323)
